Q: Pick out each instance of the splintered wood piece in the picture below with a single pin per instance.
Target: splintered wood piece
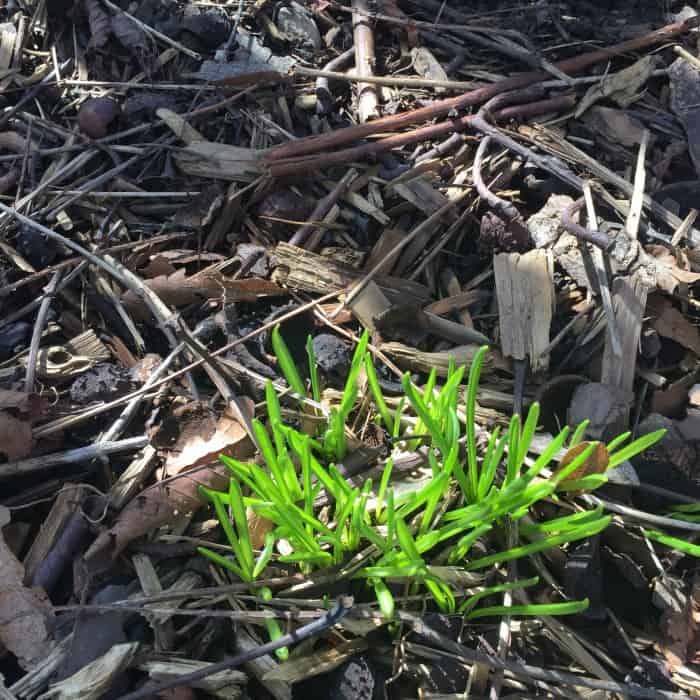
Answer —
(66, 504)
(629, 302)
(163, 632)
(369, 304)
(525, 293)
(301, 269)
(365, 60)
(388, 239)
(421, 194)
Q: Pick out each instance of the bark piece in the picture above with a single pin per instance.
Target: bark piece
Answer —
(24, 612)
(301, 269)
(629, 301)
(525, 292)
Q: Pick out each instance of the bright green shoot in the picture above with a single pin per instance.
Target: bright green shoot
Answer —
(324, 520)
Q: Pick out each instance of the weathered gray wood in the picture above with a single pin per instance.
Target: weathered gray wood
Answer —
(629, 302)
(525, 293)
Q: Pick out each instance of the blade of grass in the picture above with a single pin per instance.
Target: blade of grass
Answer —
(587, 530)
(536, 610)
(634, 448)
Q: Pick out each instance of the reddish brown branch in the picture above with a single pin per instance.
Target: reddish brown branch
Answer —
(325, 142)
(295, 166)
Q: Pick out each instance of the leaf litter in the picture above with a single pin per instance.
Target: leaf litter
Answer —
(280, 233)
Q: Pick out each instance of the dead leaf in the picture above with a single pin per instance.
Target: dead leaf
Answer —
(679, 628)
(24, 612)
(130, 35)
(179, 290)
(99, 23)
(14, 399)
(616, 125)
(672, 399)
(669, 322)
(669, 270)
(15, 437)
(622, 87)
(192, 462)
(596, 463)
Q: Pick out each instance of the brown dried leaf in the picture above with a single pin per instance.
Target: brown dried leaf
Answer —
(179, 290)
(669, 322)
(130, 35)
(14, 399)
(191, 463)
(24, 612)
(678, 268)
(15, 437)
(622, 87)
(679, 628)
(597, 463)
(133, 38)
(99, 23)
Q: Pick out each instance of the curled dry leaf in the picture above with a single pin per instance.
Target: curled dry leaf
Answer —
(179, 290)
(596, 463)
(192, 462)
(24, 612)
(15, 437)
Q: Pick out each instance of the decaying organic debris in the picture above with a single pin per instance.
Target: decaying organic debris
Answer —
(282, 232)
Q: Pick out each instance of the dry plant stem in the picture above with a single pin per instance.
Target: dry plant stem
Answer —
(503, 207)
(217, 376)
(153, 32)
(49, 293)
(504, 632)
(60, 424)
(79, 162)
(296, 165)
(391, 254)
(637, 200)
(124, 276)
(52, 213)
(322, 208)
(11, 470)
(323, 90)
(365, 61)
(5, 694)
(603, 281)
(341, 609)
(389, 80)
(441, 108)
(529, 673)
(119, 425)
(10, 288)
(606, 175)
(597, 238)
(31, 94)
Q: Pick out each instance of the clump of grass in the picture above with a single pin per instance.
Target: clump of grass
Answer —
(409, 530)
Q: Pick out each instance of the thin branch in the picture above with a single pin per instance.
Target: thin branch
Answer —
(49, 293)
(341, 609)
